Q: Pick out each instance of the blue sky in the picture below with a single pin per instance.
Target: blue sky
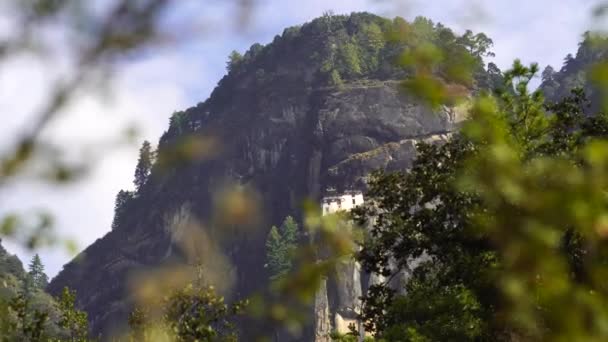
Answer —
(147, 88)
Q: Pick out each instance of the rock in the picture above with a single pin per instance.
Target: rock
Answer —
(283, 138)
(322, 326)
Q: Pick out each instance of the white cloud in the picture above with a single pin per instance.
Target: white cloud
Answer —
(146, 92)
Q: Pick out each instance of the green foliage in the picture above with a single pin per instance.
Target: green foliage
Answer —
(27, 313)
(372, 40)
(478, 45)
(335, 79)
(234, 60)
(36, 273)
(178, 122)
(72, 320)
(138, 324)
(200, 315)
(584, 70)
(123, 199)
(193, 313)
(10, 264)
(424, 29)
(349, 337)
(25, 323)
(281, 244)
(510, 218)
(349, 60)
(430, 310)
(362, 45)
(144, 165)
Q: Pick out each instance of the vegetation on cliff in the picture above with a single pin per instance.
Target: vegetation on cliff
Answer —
(28, 313)
(281, 245)
(586, 69)
(507, 219)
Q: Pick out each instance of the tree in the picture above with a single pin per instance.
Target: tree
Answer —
(123, 198)
(27, 324)
(234, 60)
(372, 40)
(478, 45)
(178, 121)
(138, 324)
(72, 320)
(423, 29)
(548, 74)
(192, 313)
(198, 314)
(487, 212)
(569, 63)
(36, 273)
(349, 59)
(280, 247)
(549, 83)
(144, 165)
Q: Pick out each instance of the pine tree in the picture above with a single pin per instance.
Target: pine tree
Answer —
(548, 74)
(38, 278)
(144, 165)
(280, 246)
(122, 200)
(234, 59)
(290, 231)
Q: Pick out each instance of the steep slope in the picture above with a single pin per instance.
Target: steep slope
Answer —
(11, 274)
(577, 72)
(319, 107)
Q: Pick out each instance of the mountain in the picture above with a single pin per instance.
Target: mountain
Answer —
(11, 274)
(579, 71)
(320, 107)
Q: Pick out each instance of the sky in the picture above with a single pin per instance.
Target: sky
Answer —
(147, 88)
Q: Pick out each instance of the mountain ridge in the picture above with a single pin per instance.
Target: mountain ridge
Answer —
(277, 135)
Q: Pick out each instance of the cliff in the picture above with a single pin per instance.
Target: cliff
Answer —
(321, 106)
(585, 69)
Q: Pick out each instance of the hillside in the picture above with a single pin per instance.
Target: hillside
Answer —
(576, 70)
(320, 107)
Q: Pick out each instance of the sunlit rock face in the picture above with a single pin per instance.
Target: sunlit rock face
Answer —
(279, 136)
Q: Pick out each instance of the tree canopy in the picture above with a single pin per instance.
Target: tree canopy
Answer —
(493, 217)
(281, 245)
(144, 165)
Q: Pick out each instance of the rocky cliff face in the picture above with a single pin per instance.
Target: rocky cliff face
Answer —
(279, 128)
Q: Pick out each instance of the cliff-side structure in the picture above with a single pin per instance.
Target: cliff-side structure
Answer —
(343, 202)
(321, 106)
(348, 286)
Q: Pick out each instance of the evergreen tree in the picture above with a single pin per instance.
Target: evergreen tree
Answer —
(144, 165)
(123, 199)
(548, 74)
(39, 280)
(569, 62)
(178, 121)
(280, 247)
(234, 59)
(72, 320)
